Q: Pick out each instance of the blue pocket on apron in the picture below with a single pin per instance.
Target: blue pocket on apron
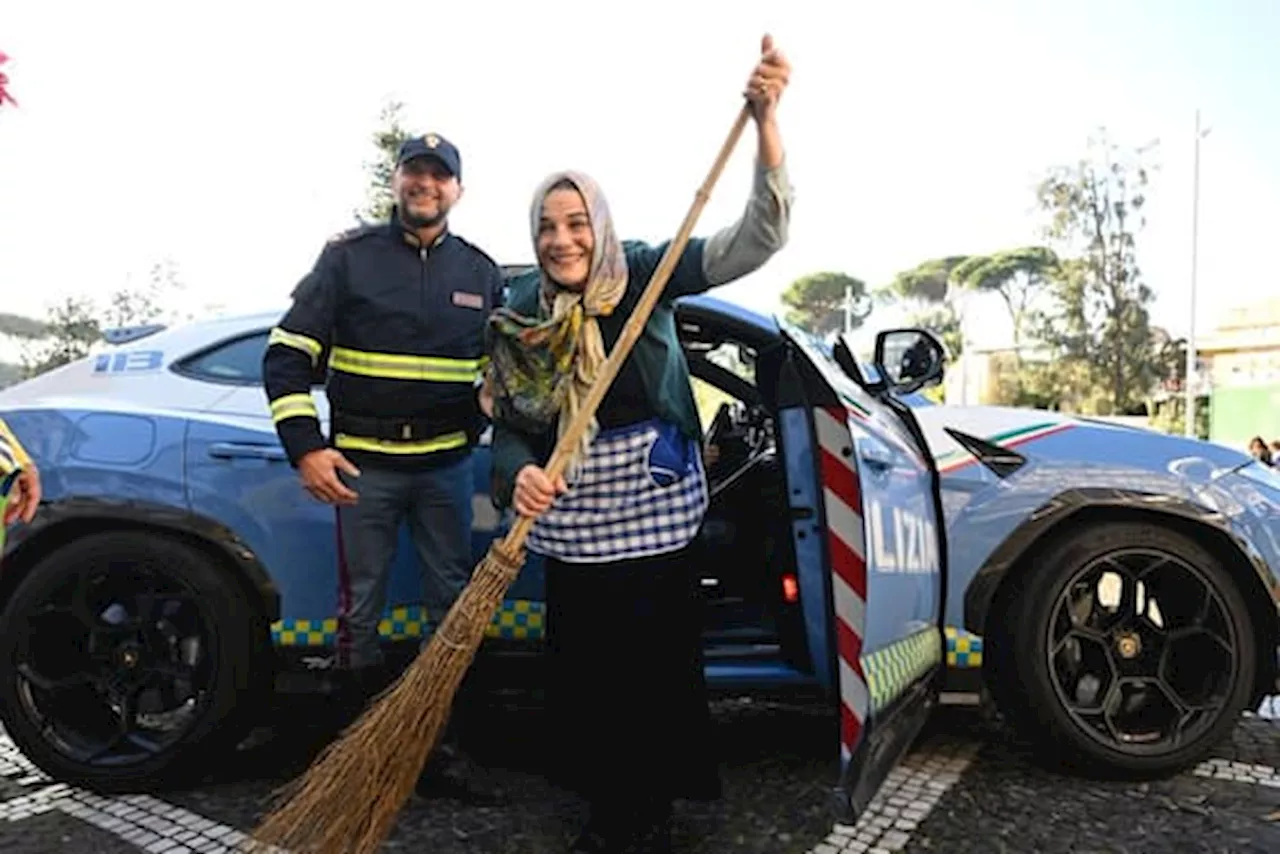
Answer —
(672, 457)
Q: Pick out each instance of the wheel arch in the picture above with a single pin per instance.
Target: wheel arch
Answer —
(998, 582)
(60, 522)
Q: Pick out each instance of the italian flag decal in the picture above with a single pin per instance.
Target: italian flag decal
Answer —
(959, 458)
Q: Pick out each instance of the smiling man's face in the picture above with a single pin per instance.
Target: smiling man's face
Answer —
(425, 191)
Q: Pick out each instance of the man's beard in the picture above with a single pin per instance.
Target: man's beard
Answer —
(414, 220)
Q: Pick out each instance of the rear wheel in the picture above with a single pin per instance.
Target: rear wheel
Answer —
(1133, 648)
(127, 659)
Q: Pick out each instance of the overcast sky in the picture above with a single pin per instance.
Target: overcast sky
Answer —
(230, 137)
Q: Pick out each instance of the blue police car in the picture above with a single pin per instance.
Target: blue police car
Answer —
(1115, 591)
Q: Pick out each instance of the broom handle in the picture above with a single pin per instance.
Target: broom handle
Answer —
(631, 331)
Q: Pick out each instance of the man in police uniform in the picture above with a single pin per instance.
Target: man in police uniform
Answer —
(400, 309)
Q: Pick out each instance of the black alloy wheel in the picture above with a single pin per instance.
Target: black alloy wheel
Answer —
(1135, 649)
(128, 656)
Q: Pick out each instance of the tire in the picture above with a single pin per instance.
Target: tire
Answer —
(1041, 710)
(230, 671)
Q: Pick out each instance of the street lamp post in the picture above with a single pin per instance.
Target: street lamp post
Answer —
(1189, 390)
(855, 308)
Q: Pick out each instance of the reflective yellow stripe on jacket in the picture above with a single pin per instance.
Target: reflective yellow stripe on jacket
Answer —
(395, 366)
(310, 346)
(446, 442)
(293, 406)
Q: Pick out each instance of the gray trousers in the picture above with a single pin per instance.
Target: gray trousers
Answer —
(436, 503)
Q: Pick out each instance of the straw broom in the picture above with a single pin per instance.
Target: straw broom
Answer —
(348, 800)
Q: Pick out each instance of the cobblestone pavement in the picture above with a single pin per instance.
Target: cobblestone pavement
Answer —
(964, 788)
(969, 789)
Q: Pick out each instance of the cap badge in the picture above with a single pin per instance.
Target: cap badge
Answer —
(431, 140)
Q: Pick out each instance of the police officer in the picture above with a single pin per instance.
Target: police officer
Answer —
(394, 314)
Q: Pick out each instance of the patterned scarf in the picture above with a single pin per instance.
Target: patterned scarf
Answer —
(543, 367)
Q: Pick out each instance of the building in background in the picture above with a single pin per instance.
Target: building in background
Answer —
(1243, 359)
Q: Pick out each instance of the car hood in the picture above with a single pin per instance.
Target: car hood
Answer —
(1053, 437)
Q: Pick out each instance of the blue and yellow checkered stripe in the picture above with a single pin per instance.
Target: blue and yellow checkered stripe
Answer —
(515, 619)
(894, 668)
(963, 648)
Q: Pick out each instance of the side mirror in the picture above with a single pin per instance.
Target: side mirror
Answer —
(909, 359)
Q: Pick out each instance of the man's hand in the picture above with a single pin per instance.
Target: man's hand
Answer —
(24, 498)
(769, 78)
(534, 492)
(319, 471)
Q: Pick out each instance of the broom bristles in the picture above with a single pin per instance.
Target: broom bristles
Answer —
(348, 799)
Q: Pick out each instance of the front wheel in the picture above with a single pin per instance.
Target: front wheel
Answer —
(126, 660)
(1134, 650)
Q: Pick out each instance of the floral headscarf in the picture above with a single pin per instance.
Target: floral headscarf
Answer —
(543, 367)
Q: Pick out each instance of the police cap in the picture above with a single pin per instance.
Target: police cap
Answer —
(431, 145)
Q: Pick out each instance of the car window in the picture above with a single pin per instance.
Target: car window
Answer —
(708, 398)
(734, 357)
(237, 361)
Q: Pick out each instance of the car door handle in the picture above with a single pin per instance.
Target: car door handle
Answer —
(230, 450)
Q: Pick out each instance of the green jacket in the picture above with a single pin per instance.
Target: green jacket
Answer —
(657, 355)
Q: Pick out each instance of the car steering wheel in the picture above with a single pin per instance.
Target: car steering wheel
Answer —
(747, 425)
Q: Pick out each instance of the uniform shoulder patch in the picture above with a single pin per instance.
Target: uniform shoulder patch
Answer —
(354, 233)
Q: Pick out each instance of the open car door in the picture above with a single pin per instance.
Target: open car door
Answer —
(876, 559)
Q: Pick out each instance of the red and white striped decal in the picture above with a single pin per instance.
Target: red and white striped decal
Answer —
(842, 500)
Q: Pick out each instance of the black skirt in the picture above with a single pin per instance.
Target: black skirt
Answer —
(626, 692)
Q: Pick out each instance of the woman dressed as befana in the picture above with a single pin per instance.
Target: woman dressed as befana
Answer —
(626, 693)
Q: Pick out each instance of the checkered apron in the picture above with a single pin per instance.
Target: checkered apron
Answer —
(641, 491)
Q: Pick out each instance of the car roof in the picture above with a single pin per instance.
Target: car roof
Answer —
(178, 342)
(748, 323)
(185, 338)
(80, 382)
(181, 340)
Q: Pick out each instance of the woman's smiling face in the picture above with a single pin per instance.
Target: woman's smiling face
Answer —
(565, 240)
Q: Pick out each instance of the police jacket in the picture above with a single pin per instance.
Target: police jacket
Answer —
(395, 330)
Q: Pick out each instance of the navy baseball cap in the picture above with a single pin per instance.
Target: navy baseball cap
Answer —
(431, 145)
